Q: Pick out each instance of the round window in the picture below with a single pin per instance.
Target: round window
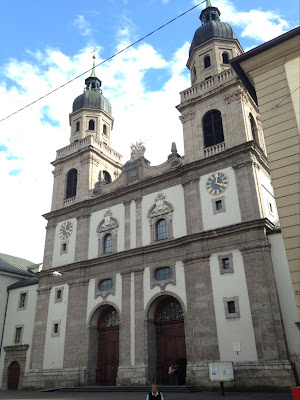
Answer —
(106, 284)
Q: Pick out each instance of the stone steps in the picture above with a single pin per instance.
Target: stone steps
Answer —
(145, 389)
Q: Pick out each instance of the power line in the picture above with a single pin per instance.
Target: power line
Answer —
(102, 62)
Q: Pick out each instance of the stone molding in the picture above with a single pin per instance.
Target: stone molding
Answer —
(105, 293)
(89, 159)
(162, 284)
(186, 116)
(58, 171)
(237, 94)
(16, 347)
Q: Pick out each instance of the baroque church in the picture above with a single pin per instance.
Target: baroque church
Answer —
(145, 266)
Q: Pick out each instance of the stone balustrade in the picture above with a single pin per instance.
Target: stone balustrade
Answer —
(207, 85)
(217, 148)
(85, 142)
(68, 202)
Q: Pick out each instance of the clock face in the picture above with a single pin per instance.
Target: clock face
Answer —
(66, 230)
(217, 183)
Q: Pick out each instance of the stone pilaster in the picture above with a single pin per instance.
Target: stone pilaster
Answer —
(125, 339)
(40, 327)
(248, 192)
(139, 318)
(49, 245)
(127, 225)
(200, 321)
(267, 324)
(82, 236)
(139, 238)
(192, 202)
(76, 340)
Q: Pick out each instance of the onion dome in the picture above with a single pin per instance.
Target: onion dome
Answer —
(92, 96)
(211, 27)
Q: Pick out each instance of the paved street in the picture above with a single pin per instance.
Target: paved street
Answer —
(5, 395)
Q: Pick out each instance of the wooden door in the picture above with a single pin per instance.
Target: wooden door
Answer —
(13, 376)
(108, 349)
(170, 341)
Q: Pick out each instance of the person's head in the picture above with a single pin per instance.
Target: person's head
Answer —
(154, 388)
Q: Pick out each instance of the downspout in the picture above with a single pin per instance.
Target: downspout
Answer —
(4, 321)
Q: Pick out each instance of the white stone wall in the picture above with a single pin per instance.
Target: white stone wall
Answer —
(232, 214)
(269, 204)
(178, 289)
(233, 329)
(96, 301)
(65, 258)
(118, 212)
(19, 317)
(175, 196)
(54, 345)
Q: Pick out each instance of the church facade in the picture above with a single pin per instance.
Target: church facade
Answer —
(145, 266)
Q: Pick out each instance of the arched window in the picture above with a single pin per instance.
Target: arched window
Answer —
(106, 177)
(163, 274)
(161, 229)
(71, 183)
(105, 284)
(77, 126)
(225, 58)
(110, 319)
(213, 128)
(207, 62)
(170, 310)
(91, 125)
(253, 127)
(104, 129)
(107, 243)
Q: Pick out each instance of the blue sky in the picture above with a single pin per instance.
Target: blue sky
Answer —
(48, 43)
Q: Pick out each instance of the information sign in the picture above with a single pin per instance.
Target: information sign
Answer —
(220, 371)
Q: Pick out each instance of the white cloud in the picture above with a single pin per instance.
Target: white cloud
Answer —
(82, 25)
(138, 112)
(255, 24)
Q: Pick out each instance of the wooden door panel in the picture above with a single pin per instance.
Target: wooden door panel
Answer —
(108, 356)
(13, 376)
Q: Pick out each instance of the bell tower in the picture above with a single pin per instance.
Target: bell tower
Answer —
(88, 159)
(216, 111)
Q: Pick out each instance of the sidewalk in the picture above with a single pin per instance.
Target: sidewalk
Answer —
(10, 394)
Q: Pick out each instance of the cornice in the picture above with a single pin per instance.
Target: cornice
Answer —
(134, 190)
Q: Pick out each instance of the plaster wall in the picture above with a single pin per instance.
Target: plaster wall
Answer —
(179, 288)
(118, 212)
(292, 70)
(270, 209)
(19, 317)
(96, 301)
(230, 201)
(175, 196)
(285, 293)
(54, 345)
(233, 329)
(59, 258)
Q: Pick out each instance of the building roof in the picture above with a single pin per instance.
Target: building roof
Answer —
(92, 96)
(24, 282)
(212, 27)
(15, 265)
(236, 62)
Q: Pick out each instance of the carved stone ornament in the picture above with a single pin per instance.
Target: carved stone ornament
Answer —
(161, 207)
(187, 116)
(137, 150)
(237, 94)
(108, 223)
(174, 159)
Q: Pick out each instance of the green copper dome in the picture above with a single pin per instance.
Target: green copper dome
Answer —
(211, 27)
(92, 96)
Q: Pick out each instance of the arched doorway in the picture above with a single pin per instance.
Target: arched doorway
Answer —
(13, 376)
(170, 340)
(108, 347)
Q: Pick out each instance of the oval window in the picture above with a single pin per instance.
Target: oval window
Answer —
(106, 284)
(162, 274)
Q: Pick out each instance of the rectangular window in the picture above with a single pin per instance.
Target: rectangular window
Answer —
(225, 263)
(58, 294)
(219, 205)
(231, 307)
(23, 298)
(18, 336)
(58, 297)
(55, 328)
